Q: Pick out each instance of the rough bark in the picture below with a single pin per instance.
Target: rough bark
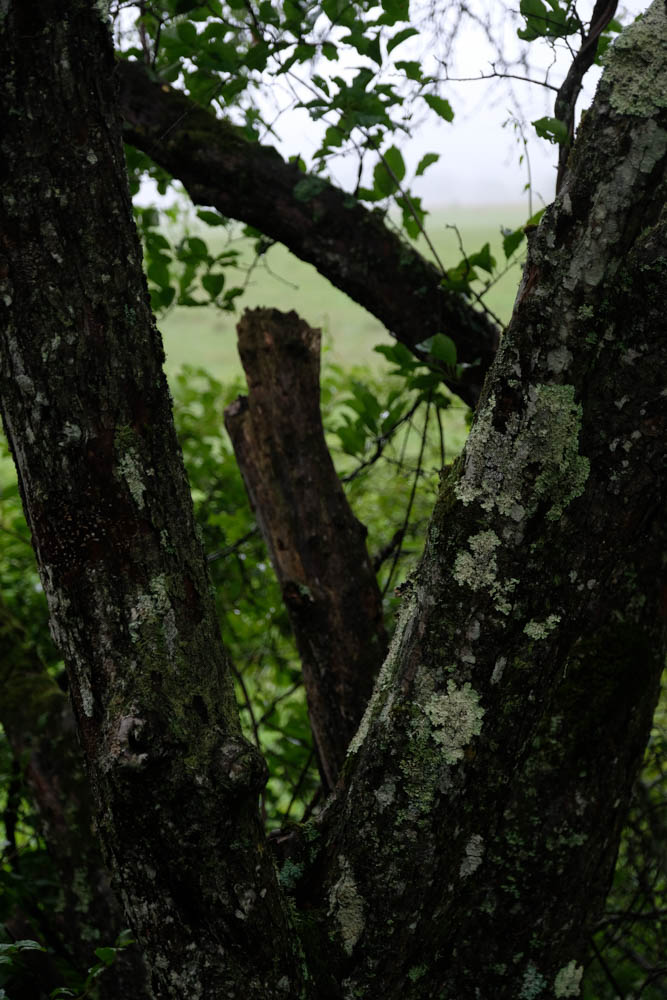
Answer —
(39, 725)
(316, 544)
(87, 412)
(490, 778)
(347, 243)
(485, 791)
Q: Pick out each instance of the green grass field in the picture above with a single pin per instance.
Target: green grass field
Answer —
(206, 337)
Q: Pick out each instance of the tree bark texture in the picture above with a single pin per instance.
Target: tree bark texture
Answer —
(347, 243)
(317, 546)
(488, 784)
(475, 830)
(87, 412)
(37, 719)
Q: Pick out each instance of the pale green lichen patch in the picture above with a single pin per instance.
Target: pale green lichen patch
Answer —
(290, 873)
(540, 630)
(533, 984)
(478, 569)
(568, 981)
(456, 717)
(473, 855)
(152, 619)
(636, 66)
(534, 459)
(385, 794)
(130, 470)
(347, 906)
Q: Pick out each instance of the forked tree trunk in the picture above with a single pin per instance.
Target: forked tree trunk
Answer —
(475, 831)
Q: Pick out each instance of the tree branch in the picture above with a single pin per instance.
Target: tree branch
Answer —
(321, 224)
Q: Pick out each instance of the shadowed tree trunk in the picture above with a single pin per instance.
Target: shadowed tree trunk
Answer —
(317, 546)
(473, 834)
(87, 412)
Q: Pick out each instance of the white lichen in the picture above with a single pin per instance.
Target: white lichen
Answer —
(456, 717)
(129, 468)
(153, 615)
(639, 85)
(70, 435)
(540, 630)
(533, 983)
(478, 569)
(498, 669)
(568, 981)
(385, 794)
(474, 854)
(87, 700)
(499, 465)
(347, 906)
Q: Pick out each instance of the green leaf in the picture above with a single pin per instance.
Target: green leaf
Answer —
(213, 283)
(308, 188)
(196, 247)
(187, 33)
(535, 14)
(395, 10)
(389, 172)
(106, 955)
(441, 347)
(511, 240)
(483, 259)
(441, 107)
(400, 37)
(210, 218)
(158, 271)
(398, 354)
(185, 6)
(552, 129)
(425, 162)
(257, 56)
(534, 219)
(412, 69)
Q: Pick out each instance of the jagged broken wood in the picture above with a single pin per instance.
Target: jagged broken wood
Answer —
(316, 544)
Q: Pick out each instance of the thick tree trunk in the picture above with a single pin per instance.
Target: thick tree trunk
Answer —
(490, 778)
(87, 412)
(317, 546)
(38, 722)
(476, 827)
(347, 243)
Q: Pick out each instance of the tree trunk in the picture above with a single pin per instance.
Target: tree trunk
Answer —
(473, 836)
(489, 781)
(87, 412)
(317, 546)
